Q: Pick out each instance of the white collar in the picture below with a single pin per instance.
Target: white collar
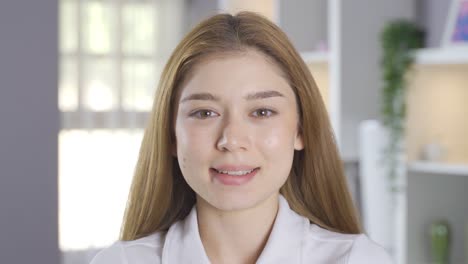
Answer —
(284, 245)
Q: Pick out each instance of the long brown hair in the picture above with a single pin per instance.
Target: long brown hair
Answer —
(316, 187)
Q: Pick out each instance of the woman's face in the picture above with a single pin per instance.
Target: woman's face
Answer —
(236, 113)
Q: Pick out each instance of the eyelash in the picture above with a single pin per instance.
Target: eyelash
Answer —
(196, 114)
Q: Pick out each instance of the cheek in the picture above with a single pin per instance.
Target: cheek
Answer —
(277, 148)
(192, 144)
(278, 139)
(190, 136)
(272, 139)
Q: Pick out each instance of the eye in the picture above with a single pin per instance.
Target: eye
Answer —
(203, 114)
(263, 113)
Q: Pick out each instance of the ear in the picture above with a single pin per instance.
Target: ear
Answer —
(299, 141)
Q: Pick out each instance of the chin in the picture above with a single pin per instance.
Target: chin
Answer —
(236, 201)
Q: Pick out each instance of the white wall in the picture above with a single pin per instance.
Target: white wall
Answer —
(29, 122)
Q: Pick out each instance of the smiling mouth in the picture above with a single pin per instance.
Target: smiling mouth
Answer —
(235, 173)
(233, 178)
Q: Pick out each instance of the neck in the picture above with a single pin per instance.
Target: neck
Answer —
(236, 236)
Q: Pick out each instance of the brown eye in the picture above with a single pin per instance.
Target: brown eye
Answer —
(263, 112)
(203, 114)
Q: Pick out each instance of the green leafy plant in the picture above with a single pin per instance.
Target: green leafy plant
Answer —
(398, 39)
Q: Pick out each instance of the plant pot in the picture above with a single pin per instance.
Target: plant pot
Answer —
(440, 240)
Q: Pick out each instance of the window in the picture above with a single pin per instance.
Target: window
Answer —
(111, 55)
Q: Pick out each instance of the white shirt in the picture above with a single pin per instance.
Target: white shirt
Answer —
(293, 240)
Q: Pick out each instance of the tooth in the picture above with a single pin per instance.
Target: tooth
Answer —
(238, 173)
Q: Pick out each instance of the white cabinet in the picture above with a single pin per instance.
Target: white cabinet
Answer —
(437, 115)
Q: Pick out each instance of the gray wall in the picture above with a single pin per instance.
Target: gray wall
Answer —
(432, 16)
(305, 22)
(360, 24)
(29, 123)
(198, 10)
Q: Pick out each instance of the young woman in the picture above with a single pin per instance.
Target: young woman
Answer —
(238, 163)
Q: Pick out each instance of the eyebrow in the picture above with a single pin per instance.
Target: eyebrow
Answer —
(249, 97)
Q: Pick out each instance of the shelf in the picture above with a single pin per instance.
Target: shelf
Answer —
(438, 168)
(315, 57)
(441, 56)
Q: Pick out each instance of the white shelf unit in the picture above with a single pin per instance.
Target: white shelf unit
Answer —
(438, 168)
(437, 114)
(438, 56)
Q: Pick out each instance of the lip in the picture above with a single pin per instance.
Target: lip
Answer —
(235, 180)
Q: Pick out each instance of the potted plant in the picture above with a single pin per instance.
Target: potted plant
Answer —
(398, 39)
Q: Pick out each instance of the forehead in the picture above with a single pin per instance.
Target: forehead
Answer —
(236, 73)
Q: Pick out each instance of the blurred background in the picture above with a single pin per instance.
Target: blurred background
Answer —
(77, 80)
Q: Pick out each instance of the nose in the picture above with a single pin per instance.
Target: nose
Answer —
(234, 135)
